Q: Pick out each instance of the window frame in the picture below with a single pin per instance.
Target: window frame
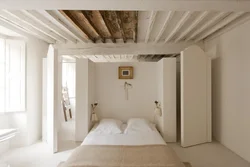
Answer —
(23, 77)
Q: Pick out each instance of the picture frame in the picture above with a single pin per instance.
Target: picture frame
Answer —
(126, 72)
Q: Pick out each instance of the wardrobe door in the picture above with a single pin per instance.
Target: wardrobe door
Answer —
(195, 97)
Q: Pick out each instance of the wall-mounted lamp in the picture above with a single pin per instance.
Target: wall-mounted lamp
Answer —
(94, 117)
(126, 87)
(157, 110)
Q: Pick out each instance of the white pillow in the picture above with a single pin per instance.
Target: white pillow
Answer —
(109, 126)
(137, 125)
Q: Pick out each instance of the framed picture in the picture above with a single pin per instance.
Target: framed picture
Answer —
(126, 72)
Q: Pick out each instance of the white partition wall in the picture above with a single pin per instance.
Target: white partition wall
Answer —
(167, 98)
(85, 86)
(195, 97)
(53, 100)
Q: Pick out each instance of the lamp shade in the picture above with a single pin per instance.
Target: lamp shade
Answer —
(94, 117)
(157, 111)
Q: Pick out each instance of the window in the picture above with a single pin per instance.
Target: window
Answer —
(12, 75)
(68, 77)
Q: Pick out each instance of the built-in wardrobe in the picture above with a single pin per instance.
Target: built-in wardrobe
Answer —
(193, 97)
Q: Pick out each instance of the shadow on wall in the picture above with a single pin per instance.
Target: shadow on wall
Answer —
(216, 87)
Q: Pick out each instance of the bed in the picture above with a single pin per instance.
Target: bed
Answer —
(143, 149)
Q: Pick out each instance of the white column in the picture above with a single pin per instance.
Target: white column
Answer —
(81, 105)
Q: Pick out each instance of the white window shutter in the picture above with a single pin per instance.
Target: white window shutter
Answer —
(15, 75)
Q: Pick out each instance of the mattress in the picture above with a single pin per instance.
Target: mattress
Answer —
(142, 138)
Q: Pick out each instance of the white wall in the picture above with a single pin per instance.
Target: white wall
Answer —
(231, 89)
(166, 93)
(110, 93)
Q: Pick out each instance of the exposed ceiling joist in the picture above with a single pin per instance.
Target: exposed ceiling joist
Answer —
(233, 24)
(68, 23)
(109, 30)
(49, 24)
(120, 26)
(167, 20)
(178, 26)
(191, 27)
(76, 22)
(150, 25)
(32, 23)
(136, 27)
(87, 16)
(53, 17)
(119, 48)
(218, 26)
(206, 25)
(25, 27)
(15, 28)
(160, 5)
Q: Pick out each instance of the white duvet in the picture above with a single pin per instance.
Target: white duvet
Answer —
(142, 138)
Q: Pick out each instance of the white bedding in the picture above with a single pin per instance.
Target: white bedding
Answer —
(142, 138)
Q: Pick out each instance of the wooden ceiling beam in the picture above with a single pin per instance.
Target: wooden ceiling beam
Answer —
(206, 25)
(120, 24)
(71, 18)
(106, 24)
(221, 24)
(85, 14)
(178, 26)
(167, 20)
(136, 27)
(192, 26)
(150, 25)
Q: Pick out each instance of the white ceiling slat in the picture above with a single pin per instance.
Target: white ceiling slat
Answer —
(77, 56)
(178, 26)
(51, 15)
(221, 24)
(206, 25)
(233, 24)
(150, 25)
(21, 16)
(127, 48)
(168, 18)
(3, 36)
(84, 57)
(17, 29)
(160, 5)
(22, 25)
(49, 24)
(192, 26)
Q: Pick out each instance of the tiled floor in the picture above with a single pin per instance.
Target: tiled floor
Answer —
(205, 155)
